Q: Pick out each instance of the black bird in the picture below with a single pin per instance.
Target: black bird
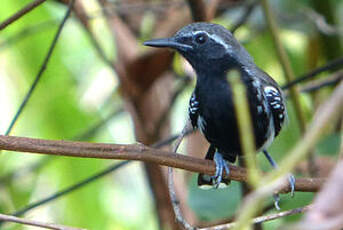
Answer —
(213, 52)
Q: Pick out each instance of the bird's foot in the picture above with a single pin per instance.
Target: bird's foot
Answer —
(221, 164)
(291, 180)
(276, 198)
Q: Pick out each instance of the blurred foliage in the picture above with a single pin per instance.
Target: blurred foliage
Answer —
(78, 90)
(214, 204)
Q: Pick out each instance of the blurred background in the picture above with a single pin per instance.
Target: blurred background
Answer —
(102, 85)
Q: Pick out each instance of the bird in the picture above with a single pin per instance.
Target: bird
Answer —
(213, 52)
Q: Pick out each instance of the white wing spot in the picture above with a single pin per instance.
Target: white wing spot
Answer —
(270, 89)
(259, 109)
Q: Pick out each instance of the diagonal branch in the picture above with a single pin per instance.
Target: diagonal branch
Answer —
(248, 10)
(21, 13)
(262, 219)
(14, 219)
(41, 70)
(70, 189)
(134, 152)
(335, 64)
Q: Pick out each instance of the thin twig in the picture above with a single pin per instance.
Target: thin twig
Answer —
(337, 63)
(134, 152)
(171, 186)
(178, 91)
(35, 223)
(248, 9)
(262, 219)
(320, 22)
(26, 32)
(98, 47)
(275, 216)
(91, 131)
(20, 13)
(70, 188)
(253, 202)
(42, 68)
(175, 202)
(318, 84)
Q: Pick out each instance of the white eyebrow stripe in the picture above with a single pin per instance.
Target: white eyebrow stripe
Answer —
(199, 32)
(220, 41)
(214, 37)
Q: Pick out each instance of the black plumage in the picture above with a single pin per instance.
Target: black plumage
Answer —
(213, 52)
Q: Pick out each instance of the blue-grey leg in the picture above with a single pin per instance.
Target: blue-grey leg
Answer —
(291, 180)
(276, 198)
(221, 164)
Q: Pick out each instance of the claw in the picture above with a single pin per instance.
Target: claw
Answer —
(291, 180)
(227, 169)
(276, 198)
(220, 165)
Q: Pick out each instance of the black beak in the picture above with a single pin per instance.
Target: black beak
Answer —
(168, 42)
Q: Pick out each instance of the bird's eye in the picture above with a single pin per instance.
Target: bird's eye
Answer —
(201, 38)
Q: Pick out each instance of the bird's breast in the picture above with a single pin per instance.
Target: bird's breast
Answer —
(217, 119)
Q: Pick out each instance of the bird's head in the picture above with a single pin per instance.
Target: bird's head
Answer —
(206, 46)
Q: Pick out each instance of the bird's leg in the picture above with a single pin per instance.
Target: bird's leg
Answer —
(220, 165)
(291, 180)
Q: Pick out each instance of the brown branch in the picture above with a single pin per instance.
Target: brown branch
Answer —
(211, 11)
(198, 9)
(135, 152)
(262, 219)
(14, 219)
(21, 13)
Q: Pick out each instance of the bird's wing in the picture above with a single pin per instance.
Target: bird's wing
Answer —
(277, 106)
(193, 110)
